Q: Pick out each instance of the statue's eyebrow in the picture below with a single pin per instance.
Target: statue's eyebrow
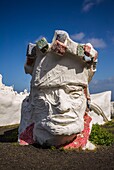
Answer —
(72, 88)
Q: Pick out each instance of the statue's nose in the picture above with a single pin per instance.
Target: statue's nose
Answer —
(63, 104)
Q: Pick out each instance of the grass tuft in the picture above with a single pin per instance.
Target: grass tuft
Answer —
(101, 135)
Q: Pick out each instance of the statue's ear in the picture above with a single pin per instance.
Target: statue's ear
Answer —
(28, 69)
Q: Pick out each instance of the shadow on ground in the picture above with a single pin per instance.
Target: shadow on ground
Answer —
(9, 134)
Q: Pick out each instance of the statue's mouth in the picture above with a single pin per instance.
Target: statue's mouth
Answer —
(63, 119)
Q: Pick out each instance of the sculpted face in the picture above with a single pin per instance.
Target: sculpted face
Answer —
(59, 111)
(66, 100)
(57, 103)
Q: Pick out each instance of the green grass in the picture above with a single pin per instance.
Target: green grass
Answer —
(103, 135)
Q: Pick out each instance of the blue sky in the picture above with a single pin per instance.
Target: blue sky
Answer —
(24, 21)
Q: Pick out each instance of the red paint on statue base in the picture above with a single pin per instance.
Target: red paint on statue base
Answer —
(26, 137)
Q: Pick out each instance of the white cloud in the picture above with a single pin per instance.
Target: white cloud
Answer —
(97, 42)
(89, 4)
(78, 37)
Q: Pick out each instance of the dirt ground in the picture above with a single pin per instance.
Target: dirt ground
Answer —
(15, 157)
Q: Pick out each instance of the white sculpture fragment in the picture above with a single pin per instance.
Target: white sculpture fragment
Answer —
(101, 101)
(10, 105)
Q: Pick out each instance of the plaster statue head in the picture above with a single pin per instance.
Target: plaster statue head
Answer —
(61, 72)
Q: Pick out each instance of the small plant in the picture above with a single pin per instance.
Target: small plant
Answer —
(53, 148)
(101, 136)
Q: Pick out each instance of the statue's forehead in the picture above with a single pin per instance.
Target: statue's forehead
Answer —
(54, 70)
(52, 61)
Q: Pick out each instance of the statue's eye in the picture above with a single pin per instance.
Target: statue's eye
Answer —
(52, 97)
(74, 94)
